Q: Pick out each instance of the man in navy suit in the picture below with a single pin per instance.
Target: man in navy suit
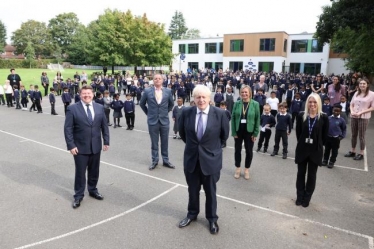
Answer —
(157, 102)
(203, 128)
(85, 123)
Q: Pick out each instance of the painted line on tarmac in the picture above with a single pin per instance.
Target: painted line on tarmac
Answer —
(291, 158)
(369, 238)
(100, 222)
(366, 161)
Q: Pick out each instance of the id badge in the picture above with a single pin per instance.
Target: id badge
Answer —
(243, 121)
(14, 80)
(309, 140)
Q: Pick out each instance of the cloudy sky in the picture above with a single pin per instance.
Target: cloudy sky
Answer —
(210, 17)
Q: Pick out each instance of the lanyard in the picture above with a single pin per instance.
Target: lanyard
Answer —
(245, 111)
(311, 127)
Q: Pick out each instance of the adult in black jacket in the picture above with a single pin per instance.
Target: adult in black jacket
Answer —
(311, 131)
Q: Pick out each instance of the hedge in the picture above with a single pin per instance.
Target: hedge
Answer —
(19, 63)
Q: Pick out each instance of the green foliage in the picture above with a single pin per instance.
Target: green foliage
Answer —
(62, 29)
(177, 26)
(77, 52)
(36, 33)
(29, 53)
(348, 25)
(16, 63)
(2, 36)
(119, 38)
(191, 34)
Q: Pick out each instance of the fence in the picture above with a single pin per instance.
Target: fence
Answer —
(100, 68)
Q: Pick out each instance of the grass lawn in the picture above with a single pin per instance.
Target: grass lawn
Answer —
(32, 76)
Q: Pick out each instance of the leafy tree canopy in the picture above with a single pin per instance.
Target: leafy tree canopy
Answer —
(177, 26)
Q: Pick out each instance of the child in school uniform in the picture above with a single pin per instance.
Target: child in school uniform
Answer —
(290, 94)
(218, 97)
(77, 97)
(282, 130)
(223, 106)
(229, 98)
(38, 99)
(24, 99)
(337, 131)
(117, 106)
(133, 90)
(99, 99)
(129, 109)
(107, 101)
(326, 107)
(181, 93)
(261, 99)
(296, 107)
(16, 96)
(52, 100)
(267, 121)
(139, 91)
(112, 90)
(66, 98)
(273, 101)
(31, 97)
(303, 94)
(177, 111)
(101, 88)
(2, 99)
(345, 108)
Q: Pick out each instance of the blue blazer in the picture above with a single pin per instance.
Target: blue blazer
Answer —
(157, 112)
(81, 134)
(208, 150)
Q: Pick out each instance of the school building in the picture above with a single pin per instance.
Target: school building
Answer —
(264, 51)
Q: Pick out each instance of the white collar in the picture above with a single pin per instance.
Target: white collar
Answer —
(84, 104)
(206, 111)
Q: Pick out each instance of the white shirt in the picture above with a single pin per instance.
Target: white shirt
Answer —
(344, 106)
(273, 103)
(91, 109)
(8, 89)
(204, 117)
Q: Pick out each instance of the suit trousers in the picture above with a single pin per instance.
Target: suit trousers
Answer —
(332, 145)
(130, 119)
(278, 135)
(107, 112)
(264, 135)
(194, 182)
(155, 132)
(91, 163)
(53, 108)
(304, 190)
(38, 106)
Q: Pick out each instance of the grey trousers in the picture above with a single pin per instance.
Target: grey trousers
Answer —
(155, 132)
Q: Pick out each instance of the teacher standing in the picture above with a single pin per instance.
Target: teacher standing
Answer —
(85, 123)
(312, 128)
(157, 102)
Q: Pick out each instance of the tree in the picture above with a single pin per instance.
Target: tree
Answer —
(348, 25)
(2, 36)
(119, 38)
(191, 34)
(29, 53)
(177, 26)
(62, 29)
(36, 33)
(77, 51)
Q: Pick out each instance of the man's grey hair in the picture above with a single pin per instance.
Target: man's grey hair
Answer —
(201, 90)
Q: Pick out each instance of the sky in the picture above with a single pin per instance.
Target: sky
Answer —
(212, 18)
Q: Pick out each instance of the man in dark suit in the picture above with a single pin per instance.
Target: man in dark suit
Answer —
(85, 123)
(157, 102)
(203, 128)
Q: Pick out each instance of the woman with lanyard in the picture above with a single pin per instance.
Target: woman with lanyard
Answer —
(335, 91)
(317, 85)
(312, 128)
(245, 123)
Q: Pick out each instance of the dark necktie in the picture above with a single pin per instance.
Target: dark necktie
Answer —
(89, 114)
(200, 127)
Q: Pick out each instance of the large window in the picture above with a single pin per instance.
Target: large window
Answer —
(267, 44)
(312, 68)
(285, 45)
(294, 67)
(193, 48)
(236, 65)
(236, 45)
(219, 65)
(299, 46)
(265, 66)
(221, 47)
(182, 48)
(208, 65)
(316, 48)
(210, 48)
(193, 65)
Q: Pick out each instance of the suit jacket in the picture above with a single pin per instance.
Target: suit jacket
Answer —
(208, 150)
(157, 112)
(319, 136)
(81, 134)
